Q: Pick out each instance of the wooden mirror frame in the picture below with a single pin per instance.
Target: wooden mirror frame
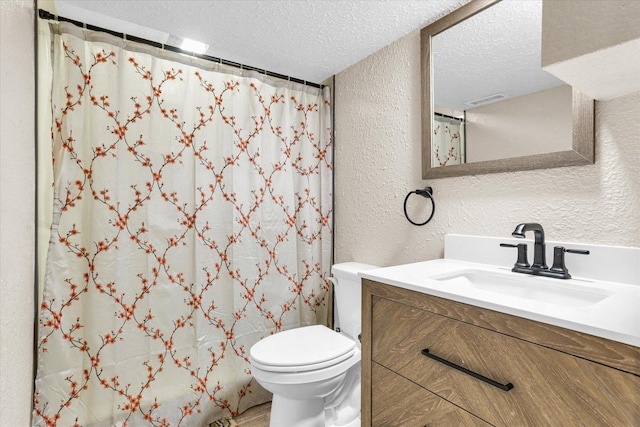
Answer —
(583, 107)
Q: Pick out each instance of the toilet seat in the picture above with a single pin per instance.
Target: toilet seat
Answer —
(302, 350)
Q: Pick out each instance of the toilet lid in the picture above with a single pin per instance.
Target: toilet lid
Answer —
(309, 346)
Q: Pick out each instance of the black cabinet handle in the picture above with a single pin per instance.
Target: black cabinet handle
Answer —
(505, 387)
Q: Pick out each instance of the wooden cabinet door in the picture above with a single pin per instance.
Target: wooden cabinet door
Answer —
(550, 388)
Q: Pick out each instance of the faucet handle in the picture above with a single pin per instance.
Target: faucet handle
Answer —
(522, 261)
(577, 251)
(559, 268)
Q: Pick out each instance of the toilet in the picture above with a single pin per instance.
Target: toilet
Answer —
(313, 371)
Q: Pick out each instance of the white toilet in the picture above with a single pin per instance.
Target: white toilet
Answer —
(313, 371)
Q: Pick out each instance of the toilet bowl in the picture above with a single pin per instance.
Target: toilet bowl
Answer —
(313, 371)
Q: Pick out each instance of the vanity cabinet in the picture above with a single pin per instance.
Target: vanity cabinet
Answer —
(559, 377)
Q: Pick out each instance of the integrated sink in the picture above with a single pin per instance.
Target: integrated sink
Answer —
(601, 299)
(534, 288)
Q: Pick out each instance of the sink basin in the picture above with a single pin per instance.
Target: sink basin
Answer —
(555, 291)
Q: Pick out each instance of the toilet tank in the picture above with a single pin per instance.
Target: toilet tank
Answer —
(348, 296)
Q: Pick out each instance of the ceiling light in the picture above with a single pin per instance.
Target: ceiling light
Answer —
(194, 46)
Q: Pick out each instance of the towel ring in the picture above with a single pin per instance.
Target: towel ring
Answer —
(424, 192)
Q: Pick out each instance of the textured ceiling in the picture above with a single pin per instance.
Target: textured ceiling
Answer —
(306, 39)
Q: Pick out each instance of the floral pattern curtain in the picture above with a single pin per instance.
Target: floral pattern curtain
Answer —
(447, 146)
(192, 216)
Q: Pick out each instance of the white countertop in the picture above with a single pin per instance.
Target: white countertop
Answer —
(615, 317)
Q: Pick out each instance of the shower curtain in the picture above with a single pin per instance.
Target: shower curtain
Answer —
(447, 146)
(191, 216)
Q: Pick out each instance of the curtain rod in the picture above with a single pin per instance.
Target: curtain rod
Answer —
(48, 15)
(460, 119)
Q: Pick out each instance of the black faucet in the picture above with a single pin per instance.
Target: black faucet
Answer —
(539, 257)
(539, 267)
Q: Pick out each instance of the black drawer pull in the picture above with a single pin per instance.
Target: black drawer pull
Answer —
(505, 387)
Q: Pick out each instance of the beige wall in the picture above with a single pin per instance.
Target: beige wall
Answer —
(378, 163)
(17, 214)
(536, 123)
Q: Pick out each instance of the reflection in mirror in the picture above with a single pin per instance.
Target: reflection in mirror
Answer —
(487, 104)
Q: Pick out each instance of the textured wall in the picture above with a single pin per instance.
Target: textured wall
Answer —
(378, 163)
(17, 214)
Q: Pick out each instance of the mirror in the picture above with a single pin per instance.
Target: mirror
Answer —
(487, 105)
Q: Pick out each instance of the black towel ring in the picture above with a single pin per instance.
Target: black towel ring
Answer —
(424, 192)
